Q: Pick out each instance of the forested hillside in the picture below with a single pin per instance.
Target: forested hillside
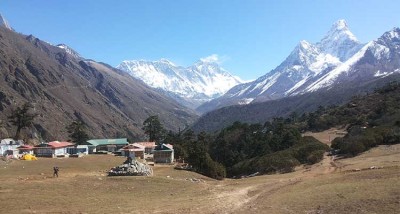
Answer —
(243, 149)
(372, 120)
(277, 145)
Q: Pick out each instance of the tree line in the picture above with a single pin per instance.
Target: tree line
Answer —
(243, 149)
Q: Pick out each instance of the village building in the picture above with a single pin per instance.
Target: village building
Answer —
(134, 150)
(108, 145)
(9, 147)
(53, 149)
(79, 149)
(25, 149)
(84, 149)
(149, 146)
(163, 153)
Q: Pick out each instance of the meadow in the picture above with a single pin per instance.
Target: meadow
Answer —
(368, 183)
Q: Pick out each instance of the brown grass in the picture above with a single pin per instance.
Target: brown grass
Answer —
(83, 187)
(327, 136)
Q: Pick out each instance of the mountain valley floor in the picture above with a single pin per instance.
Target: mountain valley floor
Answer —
(367, 183)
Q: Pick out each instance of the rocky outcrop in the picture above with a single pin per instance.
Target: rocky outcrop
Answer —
(131, 168)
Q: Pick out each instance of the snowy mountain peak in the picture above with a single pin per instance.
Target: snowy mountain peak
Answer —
(340, 29)
(207, 67)
(340, 42)
(4, 23)
(304, 44)
(303, 54)
(337, 60)
(340, 25)
(393, 34)
(69, 50)
(166, 61)
(195, 84)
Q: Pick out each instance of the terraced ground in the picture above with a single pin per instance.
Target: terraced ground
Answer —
(368, 183)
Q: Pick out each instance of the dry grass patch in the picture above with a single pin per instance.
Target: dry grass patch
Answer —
(83, 187)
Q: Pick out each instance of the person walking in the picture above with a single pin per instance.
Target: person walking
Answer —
(55, 171)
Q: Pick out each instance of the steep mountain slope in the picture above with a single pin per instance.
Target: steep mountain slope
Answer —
(190, 86)
(63, 87)
(306, 63)
(4, 23)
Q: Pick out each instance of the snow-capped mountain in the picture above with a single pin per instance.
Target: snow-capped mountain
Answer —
(339, 42)
(306, 64)
(377, 59)
(338, 59)
(373, 66)
(191, 85)
(4, 23)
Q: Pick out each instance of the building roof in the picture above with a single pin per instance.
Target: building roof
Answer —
(164, 147)
(55, 144)
(25, 147)
(58, 144)
(147, 144)
(98, 142)
(133, 147)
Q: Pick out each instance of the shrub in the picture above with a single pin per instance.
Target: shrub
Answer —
(315, 156)
(353, 148)
(337, 143)
(213, 169)
(282, 162)
(309, 145)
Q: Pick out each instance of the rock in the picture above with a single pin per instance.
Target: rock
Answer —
(131, 168)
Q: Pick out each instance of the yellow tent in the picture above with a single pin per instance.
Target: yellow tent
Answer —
(28, 157)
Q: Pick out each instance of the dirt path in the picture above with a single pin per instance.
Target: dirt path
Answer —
(243, 195)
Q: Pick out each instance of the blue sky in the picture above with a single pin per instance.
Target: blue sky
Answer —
(250, 37)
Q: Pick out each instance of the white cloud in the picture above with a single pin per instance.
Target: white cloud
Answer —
(214, 58)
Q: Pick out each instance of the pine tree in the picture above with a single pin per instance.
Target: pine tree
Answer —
(154, 129)
(77, 132)
(21, 118)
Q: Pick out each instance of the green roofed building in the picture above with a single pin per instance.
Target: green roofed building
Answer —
(163, 153)
(109, 145)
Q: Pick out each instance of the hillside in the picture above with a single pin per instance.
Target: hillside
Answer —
(63, 87)
(265, 111)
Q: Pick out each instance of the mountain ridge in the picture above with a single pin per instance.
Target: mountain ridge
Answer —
(62, 88)
(300, 72)
(4, 23)
(194, 84)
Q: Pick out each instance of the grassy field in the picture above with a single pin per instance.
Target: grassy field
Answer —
(340, 186)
